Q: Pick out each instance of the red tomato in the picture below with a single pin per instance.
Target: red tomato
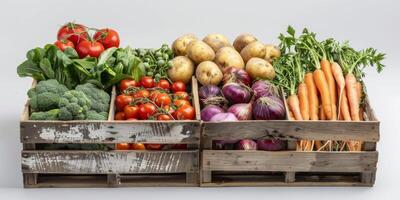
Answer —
(138, 146)
(181, 95)
(123, 146)
(131, 119)
(162, 99)
(89, 48)
(119, 116)
(181, 102)
(127, 83)
(179, 146)
(185, 112)
(169, 109)
(164, 117)
(141, 94)
(147, 82)
(108, 37)
(75, 33)
(131, 111)
(164, 84)
(63, 44)
(146, 110)
(153, 146)
(178, 86)
(122, 100)
(154, 94)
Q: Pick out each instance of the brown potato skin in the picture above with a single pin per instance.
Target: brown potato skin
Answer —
(216, 41)
(259, 68)
(272, 52)
(253, 50)
(228, 57)
(179, 46)
(243, 40)
(208, 73)
(180, 65)
(198, 51)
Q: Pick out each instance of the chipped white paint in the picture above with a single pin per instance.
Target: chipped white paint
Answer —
(73, 134)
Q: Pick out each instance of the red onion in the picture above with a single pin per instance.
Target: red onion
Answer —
(264, 88)
(209, 111)
(211, 95)
(236, 75)
(271, 145)
(236, 93)
(223, 117)
(268, 108)
(246, 145)
(242, 111)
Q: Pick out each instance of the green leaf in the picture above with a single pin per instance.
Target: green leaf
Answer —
(71, 53)
(106, 55)
(35, 54)
(291, 30)
(138, 71)
(46, 68)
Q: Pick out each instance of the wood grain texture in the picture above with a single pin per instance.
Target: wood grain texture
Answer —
(288, 161)
(111, 162)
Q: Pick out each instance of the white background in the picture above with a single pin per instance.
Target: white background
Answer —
(27, 24)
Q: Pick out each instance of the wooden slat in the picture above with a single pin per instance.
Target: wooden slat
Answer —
(289, 161)
(111, 162)
(195, 95)
(283, 184)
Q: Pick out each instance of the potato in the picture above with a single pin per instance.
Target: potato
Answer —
(259, 68)
(243, 40)
(179, 46)
(208, 73)
(253, 50)
(216, 41)
(199, 51)
(182, 69)
(228, 57)
(271, 52)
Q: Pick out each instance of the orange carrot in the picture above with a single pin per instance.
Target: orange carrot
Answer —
(294, 105)
(303, 100)
(312, 96)
(359, 96)
(344, 107)
(291, 116)
(322, 86)
(321, 113)
(326, 68)
(339, 78)
(351, 89)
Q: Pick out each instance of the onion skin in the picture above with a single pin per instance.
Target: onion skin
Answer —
(269, 108)
(246, 145)
(236, 93)
(209, 111)
(207, 91)
(271, 145)
(224, 117)
(264, 88)
(242, 111)
(236, 75)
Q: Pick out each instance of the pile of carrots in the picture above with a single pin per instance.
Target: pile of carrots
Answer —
(323, 81)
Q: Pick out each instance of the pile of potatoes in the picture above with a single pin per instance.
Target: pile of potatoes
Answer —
(209, 57)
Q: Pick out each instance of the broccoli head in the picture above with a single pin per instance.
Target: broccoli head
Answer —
(100, 100)
(74, 105)
(93, 115)
(48, 115)
(46, 95)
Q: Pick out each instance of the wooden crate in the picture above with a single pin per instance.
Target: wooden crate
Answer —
(290, 167)
(114, 168)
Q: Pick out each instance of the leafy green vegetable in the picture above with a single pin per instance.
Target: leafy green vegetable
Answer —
(74, 105)
(46, 95)
(47, 115)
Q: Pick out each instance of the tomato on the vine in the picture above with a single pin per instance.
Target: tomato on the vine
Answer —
(119, 116)
(181, 102)
(181, 95)
(131, 111)
(147, 82)
(162, 99)
(164, 84)
(168, 108)
(127, 83)
(179, 146)
(138, 146)
(164, 117)
(153, 146)
(75, 33)
(122, 100)
(89, 48)
(123, 146)
(108, 37)
(178, 86)
(141, 94)
(63, 44)
(185, 112)
(146, 110)
(154, 94)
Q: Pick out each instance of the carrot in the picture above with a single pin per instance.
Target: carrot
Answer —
(294, 105)
(318, 145)
(312, 96)
(359, 96)
(344, 107)
(326, 68)
(291, 116)
(339, 78)
(351, 89)
(321, 113)
(322, 86)
(303, 100)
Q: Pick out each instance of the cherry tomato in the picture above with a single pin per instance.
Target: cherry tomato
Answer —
(181, 102)
(146, 110)
(181, 95)
(185, 112)
(63, 44)
(138, 146)
(131, 111)
(168, 109)
(164, 117)
(141, 94)
(75, 33)
(108, 37)
(162, 99)
(123, 146)
(154, 94)
(178, 86)
(131, 119)
(179, 146)
(122, 100)
(89, 48)
(147, 82)
(153, 146)
(119, 116)
(127, 83)
(164, 84)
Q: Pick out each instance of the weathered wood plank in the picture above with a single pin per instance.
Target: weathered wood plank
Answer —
(289, 161)
(111, 162)
(290, 177)
(195, 99)
(283, 184)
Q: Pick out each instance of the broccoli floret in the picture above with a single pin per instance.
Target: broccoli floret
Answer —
(46, 95)
(100, 100)
(74, 105)
(93, 115)
(49, 115)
